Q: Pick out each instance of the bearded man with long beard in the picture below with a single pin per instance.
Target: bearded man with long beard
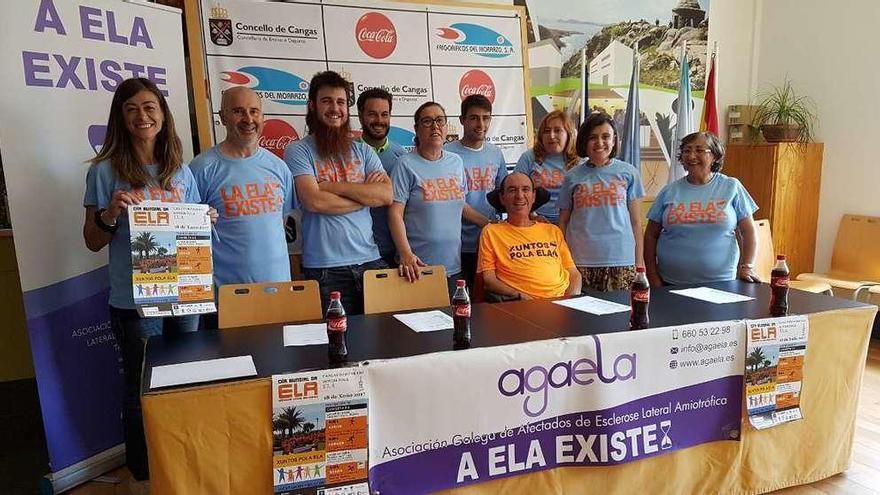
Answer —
(337, 180)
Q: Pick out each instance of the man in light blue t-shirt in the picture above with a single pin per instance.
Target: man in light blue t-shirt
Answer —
(485, 168)
(374, 112)
(337, 181)
(252, 190)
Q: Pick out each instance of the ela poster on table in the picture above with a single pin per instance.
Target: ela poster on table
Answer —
(319, 432)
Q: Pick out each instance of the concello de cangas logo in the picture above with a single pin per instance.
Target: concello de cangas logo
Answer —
(220, 26)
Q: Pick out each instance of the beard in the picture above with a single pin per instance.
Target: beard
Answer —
(367, 131)
(332, 141)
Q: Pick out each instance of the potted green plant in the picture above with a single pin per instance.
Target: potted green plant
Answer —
(784, 116)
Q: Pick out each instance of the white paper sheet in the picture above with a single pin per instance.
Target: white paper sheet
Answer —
(311, 334)
(593, 305)
(426, 321)
(202, 371)
(712, 295)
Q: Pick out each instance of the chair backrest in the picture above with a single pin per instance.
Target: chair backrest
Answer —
(856, 252)
(242, 305)
(766, 255)
(385, 290)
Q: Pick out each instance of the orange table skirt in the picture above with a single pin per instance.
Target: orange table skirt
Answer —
(217, 439)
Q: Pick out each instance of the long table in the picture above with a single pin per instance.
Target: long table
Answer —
(216, 438)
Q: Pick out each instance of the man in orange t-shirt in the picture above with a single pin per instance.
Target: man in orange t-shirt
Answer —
(523, 258)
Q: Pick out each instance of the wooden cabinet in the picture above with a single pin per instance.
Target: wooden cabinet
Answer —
(784, 180)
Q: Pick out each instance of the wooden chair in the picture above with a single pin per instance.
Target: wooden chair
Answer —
(386, 291)
(766, 259)
(855, 261)
(242, 305)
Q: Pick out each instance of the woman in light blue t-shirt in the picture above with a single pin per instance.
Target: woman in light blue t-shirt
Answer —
(693, 224)
(552, 156)
(429, 187)
(141, 159)
(600, 210)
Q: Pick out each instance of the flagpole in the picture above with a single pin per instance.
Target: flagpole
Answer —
(585, 80)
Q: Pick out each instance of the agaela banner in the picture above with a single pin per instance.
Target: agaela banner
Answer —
(589, 401)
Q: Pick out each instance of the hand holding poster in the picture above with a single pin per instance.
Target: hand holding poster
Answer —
(774, 369)
(172, 271)
(319, 432)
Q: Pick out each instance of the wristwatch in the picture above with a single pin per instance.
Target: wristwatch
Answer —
(110, 229)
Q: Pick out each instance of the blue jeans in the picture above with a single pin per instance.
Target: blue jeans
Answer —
(131, 332)
(348, 280)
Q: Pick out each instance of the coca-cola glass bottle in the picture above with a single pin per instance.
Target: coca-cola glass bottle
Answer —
(461, 316)
(639, 298)
(779, 278)
(337, 324)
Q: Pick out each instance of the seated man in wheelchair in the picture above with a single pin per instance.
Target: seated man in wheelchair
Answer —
(524, 257)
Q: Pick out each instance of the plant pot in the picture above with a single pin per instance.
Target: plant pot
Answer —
(781, 133)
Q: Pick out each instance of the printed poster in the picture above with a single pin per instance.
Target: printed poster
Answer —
(319, 432)
(597, 400)
(774, 369)
(172, 270)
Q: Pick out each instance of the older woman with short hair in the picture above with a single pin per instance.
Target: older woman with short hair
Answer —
(694, 222)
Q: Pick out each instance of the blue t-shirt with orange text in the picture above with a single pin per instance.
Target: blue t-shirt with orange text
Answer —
(252, 197)
(101, 183)
(548, 174)
(381, 233)
(335, 240)
(599, 229)
(432, 193)
(485, 169)
(698, 240)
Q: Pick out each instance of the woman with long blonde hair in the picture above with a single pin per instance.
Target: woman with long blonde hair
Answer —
(553, 155)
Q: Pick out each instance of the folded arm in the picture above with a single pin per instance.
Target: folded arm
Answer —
(316, 200)
(375, 191)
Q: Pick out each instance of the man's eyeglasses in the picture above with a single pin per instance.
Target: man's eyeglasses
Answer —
(428, 121)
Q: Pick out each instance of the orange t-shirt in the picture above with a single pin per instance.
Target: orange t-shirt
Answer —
(532, 260)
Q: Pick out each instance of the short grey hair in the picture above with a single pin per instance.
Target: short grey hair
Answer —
(715, 146)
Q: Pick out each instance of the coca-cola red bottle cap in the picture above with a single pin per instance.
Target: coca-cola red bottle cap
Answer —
(335, 295)
(459, 283)
(640, 269)
(780, 256)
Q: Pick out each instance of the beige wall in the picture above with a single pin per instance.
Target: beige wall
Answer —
(828, 50)
(732, 25)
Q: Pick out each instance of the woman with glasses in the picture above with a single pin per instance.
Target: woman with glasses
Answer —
(600, 209)
(694, 222)
(429, 187)
(552, 156)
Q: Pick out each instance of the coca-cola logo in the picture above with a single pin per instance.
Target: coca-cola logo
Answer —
(376, 35)
(476, 82)
(277, 134)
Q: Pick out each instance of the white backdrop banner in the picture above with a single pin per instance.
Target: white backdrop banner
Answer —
(417, 52)
(62, 61)
(446, 420)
